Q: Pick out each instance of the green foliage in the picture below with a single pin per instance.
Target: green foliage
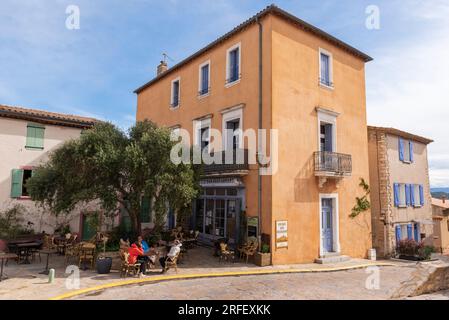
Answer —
(11, 222)
(113, 167)
(362, 204)
(265, 248)
(63, 229)
(410, 247)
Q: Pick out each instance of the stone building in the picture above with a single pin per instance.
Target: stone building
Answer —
(400, 190)
(440, 212)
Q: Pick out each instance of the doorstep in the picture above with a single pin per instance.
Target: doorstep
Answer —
(331, 258)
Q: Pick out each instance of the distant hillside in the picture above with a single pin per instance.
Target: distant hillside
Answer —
(440, 192)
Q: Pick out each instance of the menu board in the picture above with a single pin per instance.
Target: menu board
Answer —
(281, 234)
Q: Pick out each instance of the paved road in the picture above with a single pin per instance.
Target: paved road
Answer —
(345, 285)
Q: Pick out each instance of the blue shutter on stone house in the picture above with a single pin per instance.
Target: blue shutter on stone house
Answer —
(411, 151)
(401, 149)
(396, 194)
(409, 231)
(416, 231)
(412, 195)
(398, 235)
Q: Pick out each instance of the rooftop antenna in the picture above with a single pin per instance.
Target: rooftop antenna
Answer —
(166, 56)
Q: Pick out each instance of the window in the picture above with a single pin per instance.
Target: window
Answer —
(18, 182)
(35, 137)
(175, 93)
(408, 195)
(406, 151)
(233, 134)
(204, 79)
(327, 129)
(233, 66)
(326, 140)
(204, 136)
(325, 63)
(202, 133)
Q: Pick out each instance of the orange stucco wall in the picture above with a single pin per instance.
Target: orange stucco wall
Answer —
(296, 94)
(290, 95)
(153, 102)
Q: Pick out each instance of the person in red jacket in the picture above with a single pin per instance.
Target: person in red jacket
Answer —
(134, 252)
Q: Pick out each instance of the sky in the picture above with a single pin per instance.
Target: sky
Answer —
(93, 70)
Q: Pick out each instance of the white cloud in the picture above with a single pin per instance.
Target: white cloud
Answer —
(408, 85)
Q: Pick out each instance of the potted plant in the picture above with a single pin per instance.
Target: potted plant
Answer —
(263, 258)
(104, 263)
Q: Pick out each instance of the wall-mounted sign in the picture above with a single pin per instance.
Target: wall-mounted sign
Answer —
(281, 234)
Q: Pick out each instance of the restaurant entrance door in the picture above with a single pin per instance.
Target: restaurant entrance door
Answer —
(217, 214)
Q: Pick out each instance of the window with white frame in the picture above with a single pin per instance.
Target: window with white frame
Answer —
(326, 71)
(204, 79)
(202, 134)
(175, 92)
(233, 64)
(232, 129)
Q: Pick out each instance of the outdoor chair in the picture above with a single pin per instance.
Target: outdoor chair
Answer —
(72, 251)
(247, 250)
(87, 254)
(127, 267)
(225, 253)
(172, 262)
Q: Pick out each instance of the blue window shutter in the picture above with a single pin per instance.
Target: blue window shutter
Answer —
(407, 195)
(396, 194)
(325, 75)
(237, 62)
(205, 78)
(409, 232)
(421, 195)
(16, 183)
(411, 151)
(412, 195)
(416, 231)
(401, 149)
(398, 235)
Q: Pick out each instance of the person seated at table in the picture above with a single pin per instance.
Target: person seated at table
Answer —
(174, 251)
(143, 244)
(152, 254)
(136, 251)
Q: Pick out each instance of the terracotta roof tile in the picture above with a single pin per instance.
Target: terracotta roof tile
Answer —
(46, 117)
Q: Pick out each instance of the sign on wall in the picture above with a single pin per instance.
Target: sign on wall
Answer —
(281, 234)
(252, 224)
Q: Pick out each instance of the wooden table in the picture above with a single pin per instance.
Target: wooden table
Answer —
(3, 257)
(27, 247)
(48, 253)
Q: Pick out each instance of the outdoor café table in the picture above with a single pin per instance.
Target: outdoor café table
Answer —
(86, 249)
(27, 247)
(48, 253)
(3, 257)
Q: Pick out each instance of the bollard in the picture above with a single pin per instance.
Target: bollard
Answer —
(51, 276)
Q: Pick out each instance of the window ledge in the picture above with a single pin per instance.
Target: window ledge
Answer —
(23, 198)
(325, 86)
(402, 206)
(233, 83)
(407, 162)
(417, 206)
(34, 148)
(203, 96)
(174, 108)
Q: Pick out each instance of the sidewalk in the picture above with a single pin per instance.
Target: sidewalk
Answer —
(25, 282)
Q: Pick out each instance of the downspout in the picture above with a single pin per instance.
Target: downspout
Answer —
(259, 151)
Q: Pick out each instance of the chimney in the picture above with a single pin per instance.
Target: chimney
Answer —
(444, 199)
(162, 67)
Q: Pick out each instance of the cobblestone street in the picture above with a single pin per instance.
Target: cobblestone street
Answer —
(347, 285)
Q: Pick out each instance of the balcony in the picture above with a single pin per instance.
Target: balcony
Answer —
(332, 165)
(228, 163)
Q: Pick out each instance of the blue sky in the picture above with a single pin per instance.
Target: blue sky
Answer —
(94, 70)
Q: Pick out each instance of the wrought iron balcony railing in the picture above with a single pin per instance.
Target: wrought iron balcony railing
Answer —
(332, 164)
(227, 162)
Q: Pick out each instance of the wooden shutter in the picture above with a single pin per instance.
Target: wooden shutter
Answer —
(401, 149)
(35, 136)
(409, 231)
(421, 195)
(396, 194)
(411, 151)
(16, 183)
(145, 210)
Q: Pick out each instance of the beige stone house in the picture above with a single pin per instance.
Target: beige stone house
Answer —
(440, 212)
(400, 190)
(27, 136)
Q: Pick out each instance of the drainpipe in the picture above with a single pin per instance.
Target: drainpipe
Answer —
(259, 177)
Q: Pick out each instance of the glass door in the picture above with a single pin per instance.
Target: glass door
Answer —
(220, 218)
